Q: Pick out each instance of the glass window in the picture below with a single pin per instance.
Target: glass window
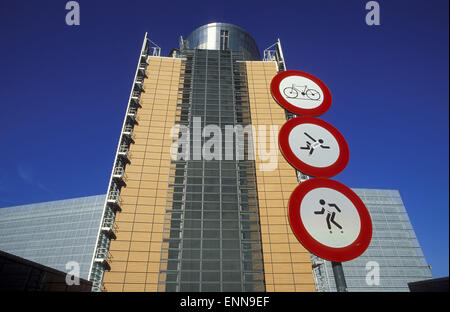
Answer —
(210, 265)
(190, 276)
(210, 276)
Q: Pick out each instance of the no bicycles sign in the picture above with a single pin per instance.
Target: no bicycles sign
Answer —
(301, 93)
(327, 217)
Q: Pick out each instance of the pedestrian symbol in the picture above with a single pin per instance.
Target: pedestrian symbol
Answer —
(330, 215)
(329, 219)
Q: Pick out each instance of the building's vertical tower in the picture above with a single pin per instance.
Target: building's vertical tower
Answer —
(136, 200)
(212, 229)
(187, 221)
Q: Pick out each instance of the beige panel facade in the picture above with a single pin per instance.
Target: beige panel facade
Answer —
(137, 250)
(287, 265)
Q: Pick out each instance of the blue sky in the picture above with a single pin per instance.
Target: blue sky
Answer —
(63, 91)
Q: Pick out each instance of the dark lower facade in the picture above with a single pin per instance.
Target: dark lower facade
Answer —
(430, 285)
(18, 274)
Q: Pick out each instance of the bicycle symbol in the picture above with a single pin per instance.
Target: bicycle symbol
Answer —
(295, 92)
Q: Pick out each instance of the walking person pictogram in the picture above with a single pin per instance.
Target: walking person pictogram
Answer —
(330, 215)
(312, 146)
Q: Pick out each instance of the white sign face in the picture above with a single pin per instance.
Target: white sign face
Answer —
(330, 217)
(301, 92)
(314, 145)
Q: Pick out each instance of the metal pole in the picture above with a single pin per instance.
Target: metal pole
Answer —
(339, 277)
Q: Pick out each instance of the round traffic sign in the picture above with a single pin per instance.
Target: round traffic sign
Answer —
(329, 219)
(301, 93)
(313, 146)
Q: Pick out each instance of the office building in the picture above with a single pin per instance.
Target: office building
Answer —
(192, 223)
(196, 224)
(53, 233)
(190, 207)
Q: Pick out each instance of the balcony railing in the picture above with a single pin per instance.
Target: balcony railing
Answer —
(134, 102)
(124, 153)
(109, 228)
(114, 200)
(119, 172)
(103, 257)
(142, 73)
(132, 111)
(139, 86)
(136, 94)
(119, 176)
(128, 133)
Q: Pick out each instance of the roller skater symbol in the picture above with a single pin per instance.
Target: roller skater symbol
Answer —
(312, 146)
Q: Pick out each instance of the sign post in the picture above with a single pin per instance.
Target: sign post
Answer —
(339, 278)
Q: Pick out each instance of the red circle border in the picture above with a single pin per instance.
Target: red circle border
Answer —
(275, 90)
(322, 172)
(343, 254)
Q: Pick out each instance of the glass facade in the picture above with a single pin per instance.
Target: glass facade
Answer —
(214, 239)
(53, 233)
(394, 250)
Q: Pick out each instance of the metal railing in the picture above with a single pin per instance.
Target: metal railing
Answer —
(123, 150)
(119, 172)
(114, 196)
(128, 130)
(109, 223)
(108, 228)
(103, 256)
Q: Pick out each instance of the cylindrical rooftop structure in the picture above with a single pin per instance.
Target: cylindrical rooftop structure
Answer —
(223, 36)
